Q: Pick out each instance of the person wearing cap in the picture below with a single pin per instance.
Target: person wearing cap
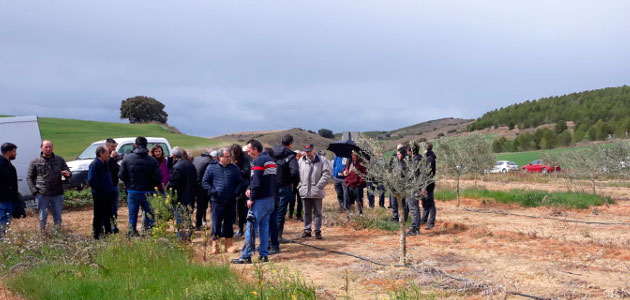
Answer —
(315, 174)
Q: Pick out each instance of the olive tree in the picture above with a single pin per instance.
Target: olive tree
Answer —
(407, 178)
(463, 155)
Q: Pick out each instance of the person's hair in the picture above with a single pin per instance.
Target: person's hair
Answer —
(100, 150)
(7, 147)
(155, 147)
(269, 151)
(222, 151)
(237, 152)
(110, 141)
(287, 140)
(177, 152)
(428, 146)
(256, 144)
(42, 144)
(399, 146)
(415, 148)
(141, 142)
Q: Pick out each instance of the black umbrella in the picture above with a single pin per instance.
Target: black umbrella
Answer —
(342, 148)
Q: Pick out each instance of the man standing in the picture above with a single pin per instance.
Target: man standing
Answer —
(354, 181)
(339, 165)
(223, 183)
(428, 201)
(140, 173)
(201, 164)
(112, 163)
(412, 200)
(315, 173)
(288, 173)
(8, 185)
(44, 180)
(100, 180)
(261, 193)
(184, 182)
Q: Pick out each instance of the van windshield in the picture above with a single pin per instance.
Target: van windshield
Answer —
(89, 153)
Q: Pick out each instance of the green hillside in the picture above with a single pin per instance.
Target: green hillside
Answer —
(71, 137)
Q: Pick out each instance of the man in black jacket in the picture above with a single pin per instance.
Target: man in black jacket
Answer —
(100, 180)
(184, 181)
(201, 163)
(141, 175)
(112, 163)
(8, 185)
(287, 175)
(428, 202)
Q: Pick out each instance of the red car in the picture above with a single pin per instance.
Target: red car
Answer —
(538, 166)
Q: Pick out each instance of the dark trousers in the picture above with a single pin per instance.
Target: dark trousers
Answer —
(223, 215)
(285, 194)
(202, 205)
(375, 189)
(102, 220)
(394, 205)
(241, 208)
(428, 208)
(355, 194)
(298, 199)
(273, 227)
(342, 193)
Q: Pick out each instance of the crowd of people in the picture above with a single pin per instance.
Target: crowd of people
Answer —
(251, 187)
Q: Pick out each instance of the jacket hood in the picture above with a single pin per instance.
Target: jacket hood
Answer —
(141, 151)
(430, 153)
(281, 152)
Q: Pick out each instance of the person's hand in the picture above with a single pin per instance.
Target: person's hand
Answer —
(250, 203)
(113, 154)
(65, 173)
(247, 193)
(423, 193)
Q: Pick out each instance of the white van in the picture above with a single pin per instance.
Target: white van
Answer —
(81, 165)
(24, 133)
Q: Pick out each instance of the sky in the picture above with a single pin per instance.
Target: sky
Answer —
(229, 66)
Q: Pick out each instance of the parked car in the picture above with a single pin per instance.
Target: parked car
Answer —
(504, 166)
(24, 133)
(81, 165)
(539, 166)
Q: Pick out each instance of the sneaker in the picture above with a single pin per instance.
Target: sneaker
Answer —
(242, 260)
(429, 227)
(274, 250)
(306, 234)
(283, 240)
(263, 259)
(318, 235)
(413, 232)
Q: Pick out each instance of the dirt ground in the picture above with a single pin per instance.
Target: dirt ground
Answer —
(492, 253)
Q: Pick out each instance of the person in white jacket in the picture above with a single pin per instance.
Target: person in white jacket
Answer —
(315, 174)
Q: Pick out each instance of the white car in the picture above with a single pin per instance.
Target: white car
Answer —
(504, 166)
(81, 165)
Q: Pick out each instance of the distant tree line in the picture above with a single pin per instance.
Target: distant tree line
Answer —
(610, 106)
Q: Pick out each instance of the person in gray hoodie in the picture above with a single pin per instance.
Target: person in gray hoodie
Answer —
(315, 174)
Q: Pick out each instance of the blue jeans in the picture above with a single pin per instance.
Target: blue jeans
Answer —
(286, 195)
(44, 203)
(135, 200)
(342, 193)
(262, 209)
(6, 212)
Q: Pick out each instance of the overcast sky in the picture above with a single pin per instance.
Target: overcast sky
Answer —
(229, 66)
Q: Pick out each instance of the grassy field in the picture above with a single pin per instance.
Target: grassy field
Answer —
(71, 137)
(523, 158)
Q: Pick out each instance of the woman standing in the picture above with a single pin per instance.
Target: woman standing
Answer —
(158, 153)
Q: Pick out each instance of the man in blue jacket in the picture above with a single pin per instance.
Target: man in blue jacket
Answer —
(340, 187)
(261, 193)
(100, 180)
(223, 182)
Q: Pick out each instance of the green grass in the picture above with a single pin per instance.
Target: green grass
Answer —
(71, 137)
(147, 269)
(524, 158)
(529, 198)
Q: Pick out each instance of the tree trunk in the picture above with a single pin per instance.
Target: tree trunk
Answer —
(457, 190)
(593, 183)
(475, 179)
(403, 234)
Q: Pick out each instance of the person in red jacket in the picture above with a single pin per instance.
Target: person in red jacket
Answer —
(354, 172)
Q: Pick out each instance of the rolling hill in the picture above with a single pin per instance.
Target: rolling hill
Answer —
(274, 137)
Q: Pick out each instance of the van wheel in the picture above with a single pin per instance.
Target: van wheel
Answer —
(504, 171)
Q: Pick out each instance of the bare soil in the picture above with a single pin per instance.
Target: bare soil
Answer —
(494, 253)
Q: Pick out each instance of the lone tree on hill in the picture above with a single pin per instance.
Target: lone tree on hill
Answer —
(327, 133)
(407, 179)
(142, 109)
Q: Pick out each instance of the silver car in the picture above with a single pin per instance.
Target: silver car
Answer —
(504, 166)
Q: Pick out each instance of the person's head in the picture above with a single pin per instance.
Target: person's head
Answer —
(401, 153)
(415, 148)
(237, 152)
(47, 148)
(102, 153)
(399, 146)
(354, 155)
(309, 151)
(298, 154)
(287, 141)
(177, 152)
(157, 152)
(141, 142)
(224, 156)
(111, 144)
(9, 151)
(428, 147)
(213, 154)
(254, 148)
